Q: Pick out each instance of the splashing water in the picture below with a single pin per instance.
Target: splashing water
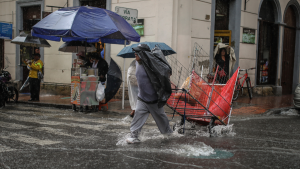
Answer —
(126, 119)
(193, 150)
(290, 112)
(152, 134)
(221, 130)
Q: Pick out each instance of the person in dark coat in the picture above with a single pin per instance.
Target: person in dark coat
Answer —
(222, 60)
(152, 74)
(101, 64)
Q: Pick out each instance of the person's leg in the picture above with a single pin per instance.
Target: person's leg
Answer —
(35, 88)
(160, 118)
(31, 88)
(38, 86)
(139, 119)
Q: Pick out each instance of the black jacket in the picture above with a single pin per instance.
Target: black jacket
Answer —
(159, 72)
(102, 68)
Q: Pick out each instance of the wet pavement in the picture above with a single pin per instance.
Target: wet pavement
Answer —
(244, 105)
(44, 137)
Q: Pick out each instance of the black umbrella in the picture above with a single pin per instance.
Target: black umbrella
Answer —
(28, 40)
(114, 80)
(77, 46)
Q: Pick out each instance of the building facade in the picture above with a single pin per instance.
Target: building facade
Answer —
(263, 33)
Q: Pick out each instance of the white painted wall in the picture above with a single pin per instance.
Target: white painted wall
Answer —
(7, 14)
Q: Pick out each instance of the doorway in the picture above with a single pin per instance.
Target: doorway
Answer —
(288, 51)
(267, 45)
(31, 16)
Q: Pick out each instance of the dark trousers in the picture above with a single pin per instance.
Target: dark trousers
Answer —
(34, 84)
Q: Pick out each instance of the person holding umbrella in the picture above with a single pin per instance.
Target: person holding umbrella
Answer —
(154, 88)
(35, 66)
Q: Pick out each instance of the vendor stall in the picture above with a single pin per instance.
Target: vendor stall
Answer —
(83, 88)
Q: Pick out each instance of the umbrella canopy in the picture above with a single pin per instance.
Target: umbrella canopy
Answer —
(28, 40)
(76, 46)
(85, 23)
(127, 52)
(114, 80)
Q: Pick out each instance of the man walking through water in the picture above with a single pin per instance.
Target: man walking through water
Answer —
(153, 77)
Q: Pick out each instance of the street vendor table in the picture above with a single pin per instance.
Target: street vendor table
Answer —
(83, 88)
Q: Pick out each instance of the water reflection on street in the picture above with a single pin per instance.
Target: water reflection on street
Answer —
(59, 138)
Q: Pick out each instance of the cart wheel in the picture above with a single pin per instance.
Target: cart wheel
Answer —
(81, 109)
(73, 107)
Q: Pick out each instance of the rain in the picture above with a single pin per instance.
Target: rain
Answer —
(149, 84)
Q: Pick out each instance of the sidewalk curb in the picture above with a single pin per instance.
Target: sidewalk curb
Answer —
(64, 106)
(60, 106)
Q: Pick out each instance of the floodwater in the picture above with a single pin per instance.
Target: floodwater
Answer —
(58, 138)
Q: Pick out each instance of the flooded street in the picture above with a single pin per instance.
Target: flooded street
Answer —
(38, 137)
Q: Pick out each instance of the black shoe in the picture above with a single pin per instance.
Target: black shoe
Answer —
(31, 100)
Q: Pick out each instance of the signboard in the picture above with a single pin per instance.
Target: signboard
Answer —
(139, 27)
(5, 30)
(248, 36)
(130, 15)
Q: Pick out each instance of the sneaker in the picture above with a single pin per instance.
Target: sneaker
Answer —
(132, 140)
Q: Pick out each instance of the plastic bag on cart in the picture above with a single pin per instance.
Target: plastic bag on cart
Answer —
(100, 94)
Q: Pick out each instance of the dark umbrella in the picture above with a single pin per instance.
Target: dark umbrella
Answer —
(76, 46)
(114, 80)
(28, 40)
(127, 52)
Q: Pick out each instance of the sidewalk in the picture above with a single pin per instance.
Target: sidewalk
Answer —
(242, 106)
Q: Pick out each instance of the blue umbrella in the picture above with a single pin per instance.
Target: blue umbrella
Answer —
(85, 23)
(127, 52)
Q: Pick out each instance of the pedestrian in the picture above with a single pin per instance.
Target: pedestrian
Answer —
(99, 63)
(35, 66)
(154, 90)
(132, 87)
(102, 66)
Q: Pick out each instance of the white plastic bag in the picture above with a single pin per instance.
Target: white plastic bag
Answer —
(132, 84)
(100, 94)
